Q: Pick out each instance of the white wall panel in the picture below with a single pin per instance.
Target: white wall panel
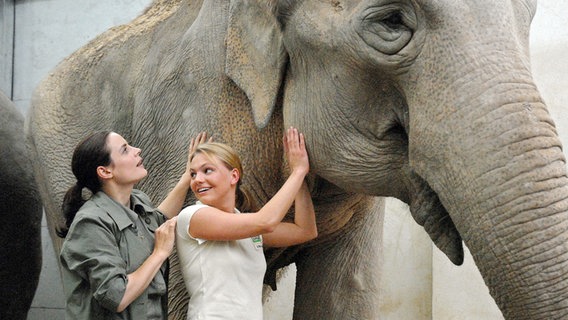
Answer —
(6, 45)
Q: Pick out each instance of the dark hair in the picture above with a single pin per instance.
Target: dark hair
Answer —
(90, 153)
(231, 160)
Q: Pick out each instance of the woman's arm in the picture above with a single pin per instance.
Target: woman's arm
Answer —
(173, 203)
(140, 279)
(213, 224)
(304, 227)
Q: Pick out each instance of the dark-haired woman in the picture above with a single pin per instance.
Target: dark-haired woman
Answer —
(116, 243)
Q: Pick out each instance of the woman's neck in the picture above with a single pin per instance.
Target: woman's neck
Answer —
(119, 194)
(226, 204)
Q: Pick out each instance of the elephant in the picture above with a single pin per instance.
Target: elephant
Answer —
(20, 205)
(406, 98)
(430, 102)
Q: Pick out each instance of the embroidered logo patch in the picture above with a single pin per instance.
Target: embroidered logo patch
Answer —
(257, 241)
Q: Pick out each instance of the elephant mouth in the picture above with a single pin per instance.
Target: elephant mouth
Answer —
(424, 203)
(428, 211)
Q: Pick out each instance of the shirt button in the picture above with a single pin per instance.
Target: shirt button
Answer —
(147, 219)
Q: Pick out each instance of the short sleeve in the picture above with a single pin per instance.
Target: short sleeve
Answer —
(184, 219)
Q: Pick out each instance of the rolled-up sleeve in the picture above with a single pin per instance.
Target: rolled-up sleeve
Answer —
(91, 251)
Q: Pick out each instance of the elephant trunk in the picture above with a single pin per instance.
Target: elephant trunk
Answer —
(508, 197)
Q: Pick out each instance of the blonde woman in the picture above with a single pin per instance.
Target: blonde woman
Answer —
(220, 243)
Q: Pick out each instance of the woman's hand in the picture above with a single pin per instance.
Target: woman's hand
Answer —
(173, 203)
(201, 138)
(295, 149)
(165, 238)
(304, 227)
(140, 279)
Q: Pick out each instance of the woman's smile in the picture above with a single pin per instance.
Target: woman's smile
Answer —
(201, 190)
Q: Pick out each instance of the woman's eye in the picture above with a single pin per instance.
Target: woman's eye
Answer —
(208, 170)
(192, 175)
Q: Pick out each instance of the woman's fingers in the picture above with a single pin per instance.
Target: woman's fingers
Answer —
(201, 138)
(165, 236)
(293, 137)
(296, 149)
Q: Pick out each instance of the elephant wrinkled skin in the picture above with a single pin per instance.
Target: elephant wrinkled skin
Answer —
(157, 84)
(431, 102)
(20, 209)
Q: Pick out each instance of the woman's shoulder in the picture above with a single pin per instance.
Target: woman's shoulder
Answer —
(185, 215)
(89, 220)
(102, 210)
(89, 209)
(191, 209)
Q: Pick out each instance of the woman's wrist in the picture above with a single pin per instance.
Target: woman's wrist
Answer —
(160, 255)
(185, 178)
(301, 172)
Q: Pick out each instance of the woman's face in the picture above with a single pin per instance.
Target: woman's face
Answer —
(211, 180)
(126, 164)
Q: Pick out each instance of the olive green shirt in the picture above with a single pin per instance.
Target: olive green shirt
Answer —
(105, 243)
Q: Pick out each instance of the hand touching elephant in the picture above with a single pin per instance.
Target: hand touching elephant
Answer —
(20, 209)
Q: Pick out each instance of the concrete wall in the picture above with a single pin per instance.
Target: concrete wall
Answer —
(419, 283)
(6, 45)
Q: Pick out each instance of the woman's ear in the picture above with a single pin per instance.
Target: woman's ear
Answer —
(235, 176)
(104, 172)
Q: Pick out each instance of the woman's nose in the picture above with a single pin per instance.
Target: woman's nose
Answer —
(198, 177)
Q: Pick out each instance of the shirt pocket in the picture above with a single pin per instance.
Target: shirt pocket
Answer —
(132, 250)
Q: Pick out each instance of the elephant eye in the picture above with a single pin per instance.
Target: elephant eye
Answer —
(388, 16)
(387, 28)
(392, 16)
(394, 20)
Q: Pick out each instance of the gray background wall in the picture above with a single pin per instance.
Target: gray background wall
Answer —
(421, 283)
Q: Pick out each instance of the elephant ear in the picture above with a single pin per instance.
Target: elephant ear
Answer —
(255, 56)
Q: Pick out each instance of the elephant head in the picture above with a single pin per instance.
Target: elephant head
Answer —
(431, 102)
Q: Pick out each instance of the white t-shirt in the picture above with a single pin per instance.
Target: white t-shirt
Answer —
(223, 278)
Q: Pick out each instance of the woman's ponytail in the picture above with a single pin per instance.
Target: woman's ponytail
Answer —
(244, 201)
(72, 201)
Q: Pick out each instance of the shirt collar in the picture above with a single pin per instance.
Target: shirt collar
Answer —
(136, 202)
(119, 213)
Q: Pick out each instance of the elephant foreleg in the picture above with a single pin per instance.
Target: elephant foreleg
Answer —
(339, 279)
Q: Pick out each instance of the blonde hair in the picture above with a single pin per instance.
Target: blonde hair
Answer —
(231, 160)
